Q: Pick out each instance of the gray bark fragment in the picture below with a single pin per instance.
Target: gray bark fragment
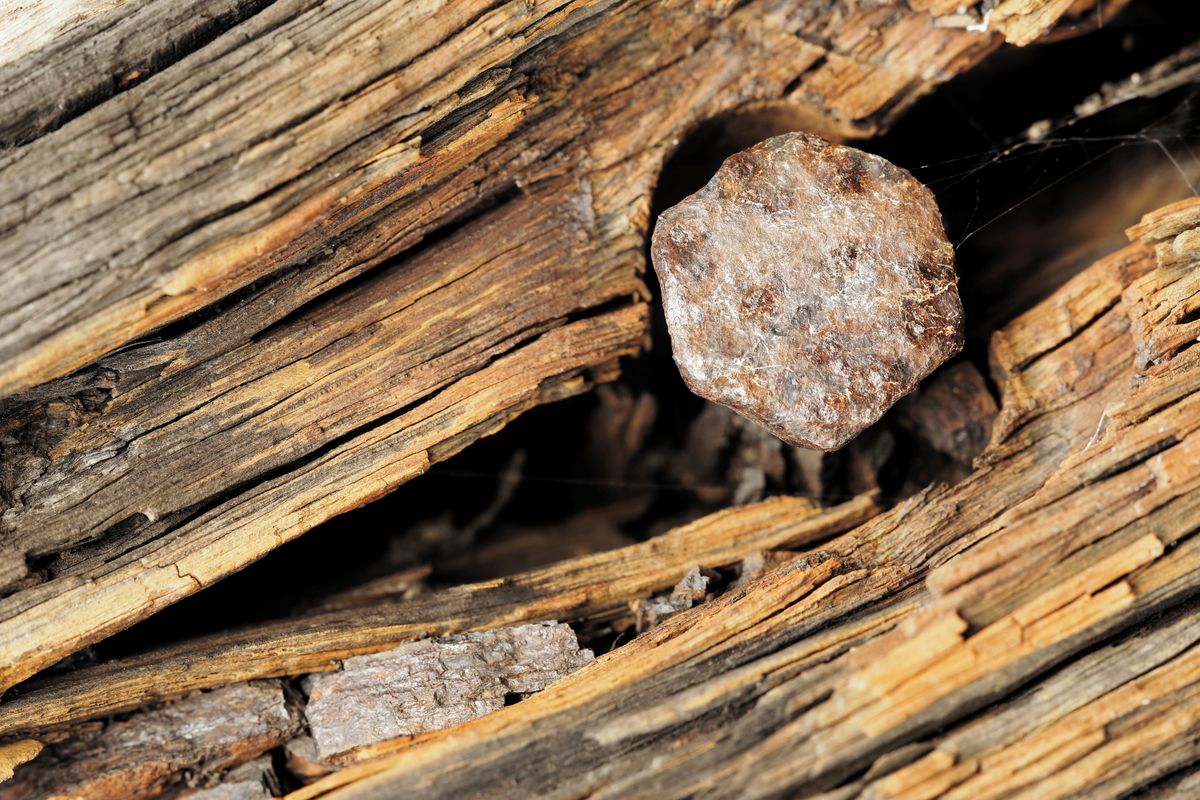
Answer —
(255, 780)
(691, 589)
(151, 751)
(435, 683)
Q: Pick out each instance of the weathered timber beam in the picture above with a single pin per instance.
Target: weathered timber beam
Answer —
(1098, 481)
(533, 154)
(71, 55)
(50, 620)
(571, 590)
(251, 153)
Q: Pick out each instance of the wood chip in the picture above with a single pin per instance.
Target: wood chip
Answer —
(14, 754)
(436, 683)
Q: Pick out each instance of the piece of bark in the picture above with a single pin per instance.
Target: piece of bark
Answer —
(142, 756)
(388, 346)
(808, 286)
(1076, 527)
(691, 589)
(589, 587)
(435, 683)
(254, 780)
(302, 396)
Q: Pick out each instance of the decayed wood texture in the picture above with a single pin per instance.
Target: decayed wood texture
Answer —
(250, 153)
(586, 588)
(417, 687)
(144, 755)
(826, 676)
(308, 146)
(89, 50)
(795, 683)
(433, 684)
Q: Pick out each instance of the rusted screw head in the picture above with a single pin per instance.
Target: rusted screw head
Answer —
(808, 286)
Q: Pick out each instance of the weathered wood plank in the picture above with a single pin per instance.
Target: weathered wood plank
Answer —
(112, 591)
(1100, 486)
(251, 153)
(590, 587)
(308, 382)
(59, 59)
(530, 137)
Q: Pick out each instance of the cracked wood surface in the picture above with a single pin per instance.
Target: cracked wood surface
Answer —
(59, 59)
(250, 153)
(377, 231)
(1074, 601)
(585, 588)
(143, 756)
(409, 254)
(1067, 558)
(112, 591)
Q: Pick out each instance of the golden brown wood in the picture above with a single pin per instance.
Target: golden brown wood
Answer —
(527, 137)
(590, 587)
(779, 688)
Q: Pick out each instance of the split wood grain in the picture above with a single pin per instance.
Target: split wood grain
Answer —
(147, 754)
(1053, 734)
(518, 142)
(249, 154)
(50, 620)
(1096, 483)
(68, 56)
(590, 587)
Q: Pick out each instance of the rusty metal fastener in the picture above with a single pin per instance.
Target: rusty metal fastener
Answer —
(808, 286)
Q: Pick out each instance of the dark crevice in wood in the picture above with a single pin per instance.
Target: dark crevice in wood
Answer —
(1083, 327)
(450, 226)
(796, 82)
(130, 538)
(1136, 459)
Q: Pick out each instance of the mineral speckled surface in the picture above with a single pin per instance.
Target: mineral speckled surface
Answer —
(435, 683)
(808, 286)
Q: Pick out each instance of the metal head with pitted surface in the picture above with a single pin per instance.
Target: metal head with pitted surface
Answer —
(808, 286)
